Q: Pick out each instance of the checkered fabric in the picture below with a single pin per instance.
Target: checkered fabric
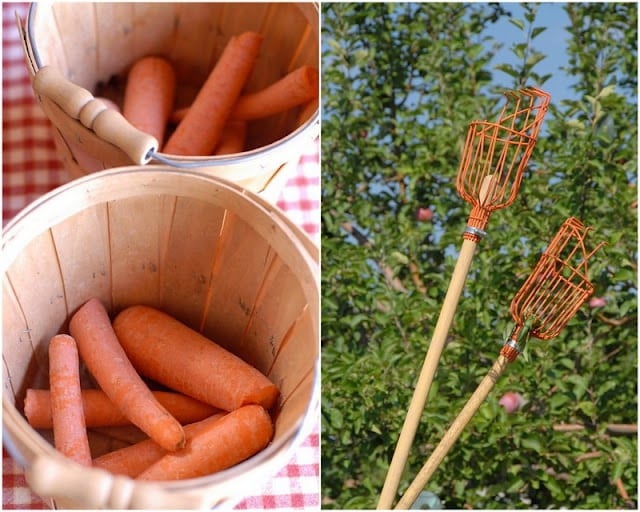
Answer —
(30, 168)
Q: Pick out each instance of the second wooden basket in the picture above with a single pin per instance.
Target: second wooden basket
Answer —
(91, 43)
(218, 258)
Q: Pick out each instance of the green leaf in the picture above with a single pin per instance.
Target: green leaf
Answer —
(336, 418)
(575, 124)
(516, 486)
(400, 258)
(517, 23)
(617, 470)
(519, 49)
(530, 12)
(535, 58)
(587, 408)
(606, 91)
(625, 274)
(567, 363)
(554, 486)
(536, 31)
(508, 69)
(558, 400)
(532, 443)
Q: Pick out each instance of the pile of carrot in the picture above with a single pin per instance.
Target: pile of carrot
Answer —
(214, 416)
(216, 123)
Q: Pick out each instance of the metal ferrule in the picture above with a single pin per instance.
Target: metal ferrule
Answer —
(476, 232)
(510, 350)
(513, 344)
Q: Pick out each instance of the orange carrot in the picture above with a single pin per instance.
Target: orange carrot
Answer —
(69, 430)
(167, 351)
(200, 131)
(295, 88)
(108, 363)
(149, 96)
(134, 459)
(233, 138)
(99, 411)
(233, 438)
(178, 115)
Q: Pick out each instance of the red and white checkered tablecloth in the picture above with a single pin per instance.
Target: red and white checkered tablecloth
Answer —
(30, 168)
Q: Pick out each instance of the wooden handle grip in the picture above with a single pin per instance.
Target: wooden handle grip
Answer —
(71, 98)
(114, 128)
(80, 487)
(107, 124)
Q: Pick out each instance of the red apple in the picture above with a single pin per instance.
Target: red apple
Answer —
(597, 302)
(512, 402)
(424, 214)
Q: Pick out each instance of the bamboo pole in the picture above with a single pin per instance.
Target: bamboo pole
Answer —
(451, 436)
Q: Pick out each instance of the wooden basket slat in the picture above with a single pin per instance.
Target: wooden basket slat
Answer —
(115, 38)
(291, 365)
(51, 44)
(68, 131)
(306, 51)
(154, 30)
(195, 28)
(38, 286)
(84, 256)
(273, 315)
(81, 59)
(134, 234)
(20, 361)
(242, 261)
(281, 28)
(239, 18)
(106, 439)
(295, 404)
(285, 30)
(188, 260)
(261, 131)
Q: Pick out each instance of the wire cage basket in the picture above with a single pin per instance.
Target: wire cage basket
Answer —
(559, 283)
(495, 154)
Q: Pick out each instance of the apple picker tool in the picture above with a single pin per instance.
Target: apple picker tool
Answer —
(494, 157)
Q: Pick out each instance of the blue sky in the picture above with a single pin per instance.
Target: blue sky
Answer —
(552, 42)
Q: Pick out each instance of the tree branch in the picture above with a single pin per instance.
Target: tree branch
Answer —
(364, 241)
(616, 322)
(612, 428)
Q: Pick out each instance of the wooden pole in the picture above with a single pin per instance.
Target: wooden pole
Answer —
(438, 341)
(451, 436)
(427, 373)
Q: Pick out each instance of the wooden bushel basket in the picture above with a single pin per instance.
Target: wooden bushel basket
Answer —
(217, 257)
(91, 43)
